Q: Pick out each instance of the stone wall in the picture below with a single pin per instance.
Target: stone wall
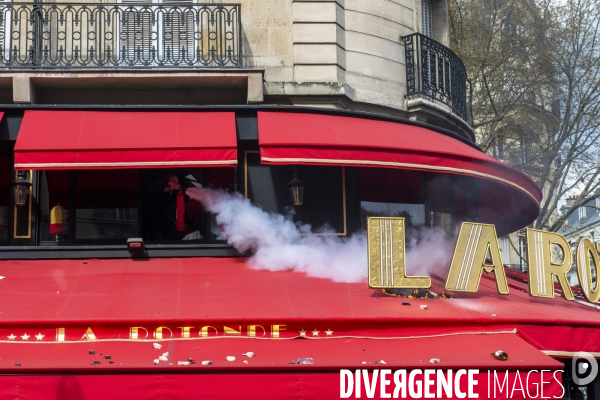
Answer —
(316, 50)
(327, 53)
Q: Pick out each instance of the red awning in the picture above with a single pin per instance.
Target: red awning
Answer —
(110, 296)
(470, 351)
(320, 139)
(125, 139)
(290, 385)
(94, 305)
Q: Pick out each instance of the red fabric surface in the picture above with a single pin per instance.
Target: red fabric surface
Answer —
(470, 351)
(302, 138)
(110, 296)
(125, 139)
(226, 386)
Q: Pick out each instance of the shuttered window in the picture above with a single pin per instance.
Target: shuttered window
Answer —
(151, 36)
(426, 14)
(136, 42)
(177, 33)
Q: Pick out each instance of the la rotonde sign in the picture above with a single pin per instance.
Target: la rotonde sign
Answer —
(477, 250)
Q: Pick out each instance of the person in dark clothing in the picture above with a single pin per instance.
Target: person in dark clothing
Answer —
(165, 200)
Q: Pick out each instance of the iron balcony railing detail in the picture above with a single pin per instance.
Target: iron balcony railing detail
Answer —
(117, 35)
(435, 72)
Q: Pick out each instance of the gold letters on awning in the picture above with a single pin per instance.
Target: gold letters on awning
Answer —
(543, 267)
(476, 251)
(387, 262)
(549, 256)
(586, 256)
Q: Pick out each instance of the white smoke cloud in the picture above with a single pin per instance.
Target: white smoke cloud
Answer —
(278, 244)
(429, 253)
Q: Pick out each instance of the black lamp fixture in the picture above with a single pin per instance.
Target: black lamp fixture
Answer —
(296, 188)
(21, 186)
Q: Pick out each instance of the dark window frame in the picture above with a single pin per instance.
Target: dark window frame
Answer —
(72, 240)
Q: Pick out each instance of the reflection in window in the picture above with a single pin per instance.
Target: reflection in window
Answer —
(443, 221)
(5, 173)
(413, 214)
(113, 205)
(54, 205)
(106, 205)
(424, 200)
(323, 206)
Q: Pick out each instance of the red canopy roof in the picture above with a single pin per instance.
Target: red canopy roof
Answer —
(93, 305)
(110, 296)
(321, 139)
(125, 139)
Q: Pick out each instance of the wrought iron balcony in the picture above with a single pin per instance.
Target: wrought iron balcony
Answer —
(435, 72)
(147, 36)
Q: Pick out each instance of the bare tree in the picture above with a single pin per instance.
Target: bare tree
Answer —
(534, 98)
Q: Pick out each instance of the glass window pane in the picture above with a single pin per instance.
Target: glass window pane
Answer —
(5, 173)
(164, 200)
(106, 205)
(323, 197)
(414, 214)
(54, 205)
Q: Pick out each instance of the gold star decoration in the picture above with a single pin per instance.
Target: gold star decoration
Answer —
(39, 336)
(25, 337)
(11, 337)
(302, 333)
(329, 332)
(315, 332)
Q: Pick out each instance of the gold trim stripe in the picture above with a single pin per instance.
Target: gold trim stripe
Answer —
(513, 331)
(566, 353)
(124, 164)
(406, 165)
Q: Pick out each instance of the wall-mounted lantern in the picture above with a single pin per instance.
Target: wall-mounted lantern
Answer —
(22, 186)
(296, 188)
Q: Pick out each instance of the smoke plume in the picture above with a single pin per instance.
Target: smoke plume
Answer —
(279, 244)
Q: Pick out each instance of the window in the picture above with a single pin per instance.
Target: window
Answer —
(109, 206)
(412, 195)
(413, 214)
(393, 194)
(151, 35)
(324, 193)
(54, 205)
(160, 207)
(582, 214)
(106, 205)
(427, 16)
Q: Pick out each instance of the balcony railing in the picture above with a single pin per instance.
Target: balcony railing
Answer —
(435, 72)
(153, 35)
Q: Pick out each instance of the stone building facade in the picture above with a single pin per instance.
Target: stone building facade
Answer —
(346, 54)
